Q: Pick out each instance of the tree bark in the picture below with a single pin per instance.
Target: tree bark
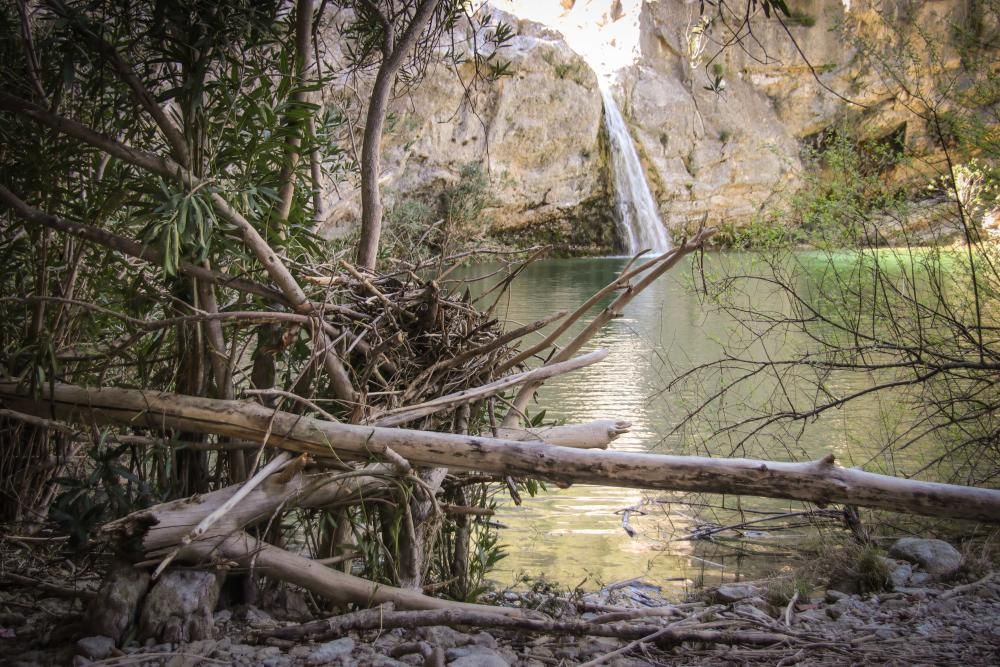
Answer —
(819, 482)
(393, 55)
(303, 63)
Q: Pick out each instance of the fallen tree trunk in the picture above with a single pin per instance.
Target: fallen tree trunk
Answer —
(268, 559)
(820, 482)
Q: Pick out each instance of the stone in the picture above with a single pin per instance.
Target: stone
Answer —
(193, 654)
(385, 661)
(179, 607)
(936, 557)
(484, 639)
(113, 611)
(443, 636)
(899, 572)
(330, 651)
(833, 595)
(257, 618)
(728, 593)
(487, 659)
(276, 661)
(97, 647)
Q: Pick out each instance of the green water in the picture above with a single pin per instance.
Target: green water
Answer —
(575, 535)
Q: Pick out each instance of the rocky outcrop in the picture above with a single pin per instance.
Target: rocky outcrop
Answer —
(720, 131)
(537, 132)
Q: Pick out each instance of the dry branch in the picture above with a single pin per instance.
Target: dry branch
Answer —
(267, 559)
(820, 481)
(597, 434)
(409, 413)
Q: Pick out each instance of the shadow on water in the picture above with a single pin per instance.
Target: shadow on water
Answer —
(576, 534)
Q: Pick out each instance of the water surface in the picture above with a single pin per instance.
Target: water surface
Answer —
(575, 535)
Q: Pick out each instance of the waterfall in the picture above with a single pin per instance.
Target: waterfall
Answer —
(638, 215)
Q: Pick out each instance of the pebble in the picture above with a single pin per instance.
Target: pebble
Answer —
(735, 592)
(480, 660)
(330, 651)
(835, 595)
(97, 647)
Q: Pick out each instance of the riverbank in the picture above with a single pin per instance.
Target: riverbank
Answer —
(937, 608)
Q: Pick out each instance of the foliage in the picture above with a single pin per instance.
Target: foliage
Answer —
(879, 295)
(780, 591)
(104, 490)
(116, 287)
(442, 221)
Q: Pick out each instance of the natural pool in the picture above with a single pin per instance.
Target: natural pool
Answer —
(576, 535)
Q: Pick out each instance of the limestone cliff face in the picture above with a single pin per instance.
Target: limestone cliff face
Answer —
(709, 154)
(537, 132)
(722, 152)
(720, 133)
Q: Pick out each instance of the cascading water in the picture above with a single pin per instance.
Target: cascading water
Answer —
(637, 212)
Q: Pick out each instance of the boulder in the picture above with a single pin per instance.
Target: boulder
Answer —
(115, 608)
(179, 607)
(330, 651)
(936, 557)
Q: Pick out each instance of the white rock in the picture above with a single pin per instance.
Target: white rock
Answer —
(937, 557)
(330, 651)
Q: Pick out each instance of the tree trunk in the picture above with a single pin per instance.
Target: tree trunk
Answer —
(393, 55)
(820, 481)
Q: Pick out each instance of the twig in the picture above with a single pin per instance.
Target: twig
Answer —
(340, 625)
(295, 397)
(409, 413)
(627, 648)
(790, 608)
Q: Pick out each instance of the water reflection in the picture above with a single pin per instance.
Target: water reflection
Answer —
(576, 534)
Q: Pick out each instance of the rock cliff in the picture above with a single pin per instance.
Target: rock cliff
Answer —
(538, 133)
(720, 131)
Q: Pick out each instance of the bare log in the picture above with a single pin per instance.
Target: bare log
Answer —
(164, 526)
(372, 619)
(820, 482)
(597, 434)
(333, 584)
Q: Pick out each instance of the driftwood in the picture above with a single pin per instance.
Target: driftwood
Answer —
(597, 434)
(248, 552)
(382, 618)
(820, 481)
